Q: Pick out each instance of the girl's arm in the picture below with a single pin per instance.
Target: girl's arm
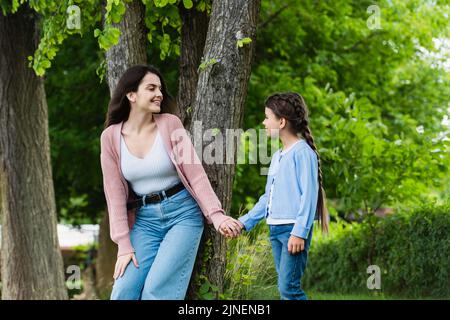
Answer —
(306, 165)
(255, 215)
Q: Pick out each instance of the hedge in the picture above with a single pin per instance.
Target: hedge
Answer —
(411, 248)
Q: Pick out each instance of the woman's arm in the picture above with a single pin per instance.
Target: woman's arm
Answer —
(194, 172)
(115, 197)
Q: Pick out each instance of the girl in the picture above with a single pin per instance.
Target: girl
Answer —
(293, 196)
(155, 198)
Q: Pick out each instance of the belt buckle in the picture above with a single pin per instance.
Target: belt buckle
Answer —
(153, 195)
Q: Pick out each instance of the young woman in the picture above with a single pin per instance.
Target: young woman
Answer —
(293, 196)
(155, 194)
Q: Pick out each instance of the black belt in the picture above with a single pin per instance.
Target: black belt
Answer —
(154, 197)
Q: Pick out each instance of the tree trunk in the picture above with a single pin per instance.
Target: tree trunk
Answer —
(219, 101)
(130, 50)
(32, 265)
(106, 260)
(193, 36)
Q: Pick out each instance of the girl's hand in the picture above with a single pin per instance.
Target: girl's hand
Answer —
(230, 228)
(122, 263)
(241, 225)
(296, 244)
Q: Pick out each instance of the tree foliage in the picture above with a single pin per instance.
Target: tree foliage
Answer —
(377, 97)
(162, 20)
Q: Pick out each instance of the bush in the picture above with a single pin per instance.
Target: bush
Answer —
(411, 248)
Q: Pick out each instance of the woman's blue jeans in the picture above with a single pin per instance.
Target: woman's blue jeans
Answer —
(289, 267)
(166, 237)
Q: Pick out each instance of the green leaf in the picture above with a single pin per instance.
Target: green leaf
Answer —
(206, 64)
(46, 64)
(110, 38)
(201, 6)
(164, 46)
(240, 43)
(51, 53)
(204, 288)
(115, 34)
(117, 12)
(161, 3)
(97, 33)
(208, 296)
(176, 49)
(103, 43)
(188, 4)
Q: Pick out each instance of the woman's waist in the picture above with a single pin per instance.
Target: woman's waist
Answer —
(153, 186)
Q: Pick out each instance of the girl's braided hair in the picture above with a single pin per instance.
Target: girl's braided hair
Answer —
(292, 107)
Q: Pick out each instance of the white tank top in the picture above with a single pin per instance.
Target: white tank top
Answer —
(154, 173)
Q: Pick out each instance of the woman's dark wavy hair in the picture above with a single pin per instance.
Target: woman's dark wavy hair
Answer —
(119, 106)
(292, 107)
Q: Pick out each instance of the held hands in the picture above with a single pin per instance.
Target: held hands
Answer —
(295, 244)
(122, 263)
(231, 228)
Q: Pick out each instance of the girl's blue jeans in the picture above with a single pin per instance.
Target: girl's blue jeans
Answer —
(290, 268)
(166, 237)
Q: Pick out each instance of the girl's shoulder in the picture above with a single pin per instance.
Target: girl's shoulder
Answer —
(302, 149)
(298, 147)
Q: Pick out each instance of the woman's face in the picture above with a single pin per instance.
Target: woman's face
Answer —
(148, 97)
(271, 123)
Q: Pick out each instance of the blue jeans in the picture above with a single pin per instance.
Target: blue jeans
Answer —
(289, 267)
(166, 237)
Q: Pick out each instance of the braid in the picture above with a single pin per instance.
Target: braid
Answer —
(321, 207)
(292, 106)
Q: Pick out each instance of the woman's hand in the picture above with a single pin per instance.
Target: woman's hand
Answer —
(230, 228)
(295, 244)
(122, 263)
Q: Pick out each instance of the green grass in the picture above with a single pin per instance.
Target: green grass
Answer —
(334, 296)
(370, 296)
(271, 293)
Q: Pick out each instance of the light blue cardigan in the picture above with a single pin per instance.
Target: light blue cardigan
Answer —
(295, 191)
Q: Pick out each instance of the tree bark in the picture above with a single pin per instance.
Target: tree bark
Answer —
(193, 36)
(130, 50)
(219, 102)
(106, 260)
(32, 265)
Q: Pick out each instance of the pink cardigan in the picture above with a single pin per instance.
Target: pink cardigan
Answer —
(183, 156)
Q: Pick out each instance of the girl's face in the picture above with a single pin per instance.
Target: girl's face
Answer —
(272, 123)
(148, 97)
